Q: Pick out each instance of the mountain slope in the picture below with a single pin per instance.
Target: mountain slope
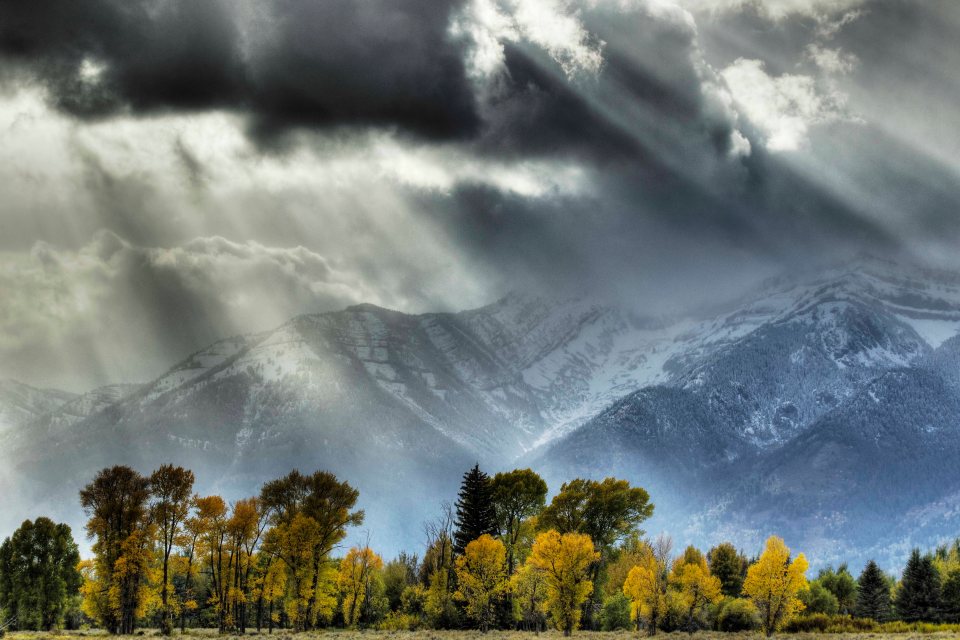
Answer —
(829, 422)
(738, 420)
(21, 403)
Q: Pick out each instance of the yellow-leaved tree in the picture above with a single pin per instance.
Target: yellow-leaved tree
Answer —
(296, 540)
(646, 583)
(695, 588)
(646, 587)
(529, 589)
(773, 583)
(482, 578)
(565, 562)
(357, 569)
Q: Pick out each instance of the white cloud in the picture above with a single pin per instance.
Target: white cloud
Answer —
(830, 24)
(187, 194)
(821, 10)
(783, 108)
(831, 61)
(111, 298)
(552, 25)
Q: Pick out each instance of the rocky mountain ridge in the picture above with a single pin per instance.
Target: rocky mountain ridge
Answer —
(717, 412)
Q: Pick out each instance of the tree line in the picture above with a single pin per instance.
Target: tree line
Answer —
(501, 556)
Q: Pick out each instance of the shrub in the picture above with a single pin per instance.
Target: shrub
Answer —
(823, 623)
(616, 613)
(675, 617)
(817, 599)
(854, 625)
(397, 621)
(812, 623)
(413, 600)
(737, 614)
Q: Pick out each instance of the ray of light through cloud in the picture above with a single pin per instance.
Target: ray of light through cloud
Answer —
(629, 143)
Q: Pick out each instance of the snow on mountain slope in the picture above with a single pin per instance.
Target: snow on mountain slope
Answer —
(21, 403)
(198, 364)
(818, 409)
(76, 410)
(400, 404)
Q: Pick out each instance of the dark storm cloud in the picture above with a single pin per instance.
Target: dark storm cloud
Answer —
(600, 146)
(179, 55)
(285, 62)
(669, 193)
(648, 238)
(647, 103)
(652, 125)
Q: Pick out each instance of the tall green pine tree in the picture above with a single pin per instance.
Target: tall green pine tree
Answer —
(729, 566)
(919, 595)
(873, 594)
(475, 509)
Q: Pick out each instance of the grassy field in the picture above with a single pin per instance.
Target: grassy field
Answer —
(493, 635)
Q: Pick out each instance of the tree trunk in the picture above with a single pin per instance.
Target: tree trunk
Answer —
(166, 624)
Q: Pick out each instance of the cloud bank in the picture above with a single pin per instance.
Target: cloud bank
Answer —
(179, 171)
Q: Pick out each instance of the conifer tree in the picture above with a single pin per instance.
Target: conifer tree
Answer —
(476, 515)
(730, 566)
(873, 594)
(918, 597)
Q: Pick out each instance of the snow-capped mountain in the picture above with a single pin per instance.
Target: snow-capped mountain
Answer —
(54, 422)
(828, 418)
(21, 403)
(718, 413)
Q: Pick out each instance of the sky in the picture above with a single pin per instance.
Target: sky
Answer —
(173, 172)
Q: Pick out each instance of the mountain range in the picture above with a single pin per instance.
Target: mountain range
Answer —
(824, 406)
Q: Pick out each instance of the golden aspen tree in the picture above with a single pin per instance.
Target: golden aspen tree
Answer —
(321, 506)
(93, 592)
(296, 542)
(244, 528)
(187, 542)
(482, 578)
(171, 489)
(773, 583)
(116, 503)
(437, 570)
(565, 562)
(609, 511)
(627, 558)
(695, 588)
(274, 588)
(645, 587)
(646, 583)
(212, 514)
(529, 589)
(131, 593)
(356, 571)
